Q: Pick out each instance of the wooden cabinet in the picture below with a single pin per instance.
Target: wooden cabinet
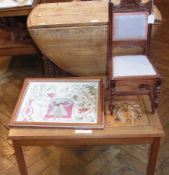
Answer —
(17, 46)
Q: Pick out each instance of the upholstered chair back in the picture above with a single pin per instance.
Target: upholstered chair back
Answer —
(130, 26)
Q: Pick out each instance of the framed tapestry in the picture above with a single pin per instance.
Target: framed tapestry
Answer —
(69, 102)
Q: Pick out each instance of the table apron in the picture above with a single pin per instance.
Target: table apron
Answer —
(84, 141)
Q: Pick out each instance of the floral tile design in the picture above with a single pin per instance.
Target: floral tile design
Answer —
(128, 112)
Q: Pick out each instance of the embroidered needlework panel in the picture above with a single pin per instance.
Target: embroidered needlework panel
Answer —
(69, 102)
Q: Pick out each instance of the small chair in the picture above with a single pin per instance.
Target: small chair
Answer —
(131, 74)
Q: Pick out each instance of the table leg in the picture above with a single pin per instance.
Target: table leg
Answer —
(20, 158)
(49, 67)
(153, 156)
(45, 66)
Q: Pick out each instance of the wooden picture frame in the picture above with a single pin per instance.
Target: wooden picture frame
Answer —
(60, 103)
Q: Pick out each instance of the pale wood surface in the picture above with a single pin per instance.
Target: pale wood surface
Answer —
(68, 14)
(78, 50)
(82, 43)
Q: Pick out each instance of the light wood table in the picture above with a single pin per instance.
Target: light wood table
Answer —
(146, 134)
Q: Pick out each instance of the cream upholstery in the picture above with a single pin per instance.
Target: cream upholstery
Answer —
(132, 65)
(130, 26)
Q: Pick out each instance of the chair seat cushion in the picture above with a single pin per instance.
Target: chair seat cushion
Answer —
(132, 65)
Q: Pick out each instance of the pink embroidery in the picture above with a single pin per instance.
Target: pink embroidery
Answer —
(60, 108)
(81, 110)
(51, 95)
(29, 110)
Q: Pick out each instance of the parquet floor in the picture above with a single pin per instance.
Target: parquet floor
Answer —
(86, 160)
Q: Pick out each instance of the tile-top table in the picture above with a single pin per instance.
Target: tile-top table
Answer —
(132, 123)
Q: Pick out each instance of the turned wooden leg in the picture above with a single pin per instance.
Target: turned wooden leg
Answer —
(20, 158)
(112, 94)
(153, 156)
(156, 91)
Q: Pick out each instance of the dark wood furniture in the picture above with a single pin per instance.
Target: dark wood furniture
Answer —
(18, 11)
(131, 74)
(18, 47)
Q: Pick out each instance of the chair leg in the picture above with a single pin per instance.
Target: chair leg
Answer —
(112, 94)
(156, 91)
